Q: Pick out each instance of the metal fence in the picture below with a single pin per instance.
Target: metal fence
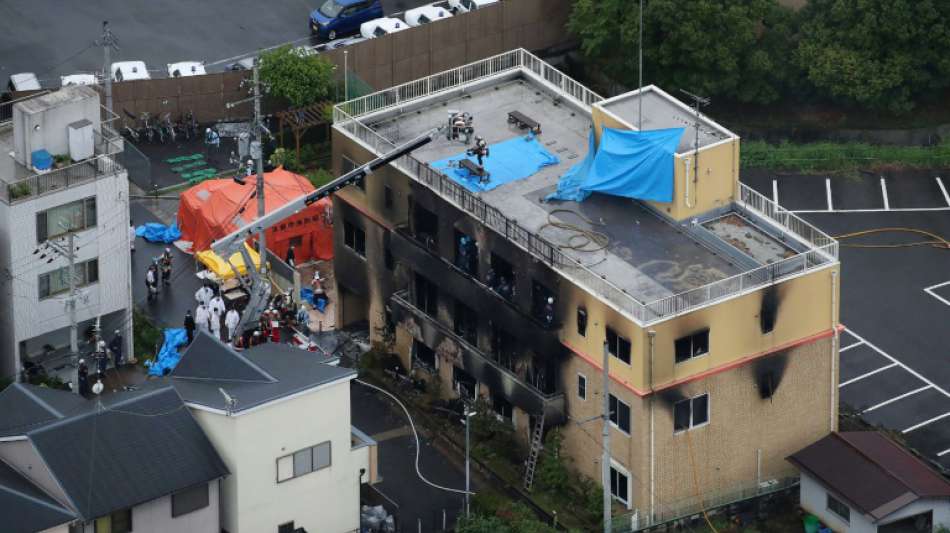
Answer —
(822, 249)
(104, 163)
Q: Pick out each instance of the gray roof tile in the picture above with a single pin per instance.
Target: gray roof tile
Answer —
(24, 507)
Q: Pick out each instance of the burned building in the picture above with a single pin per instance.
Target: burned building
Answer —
(718, 309)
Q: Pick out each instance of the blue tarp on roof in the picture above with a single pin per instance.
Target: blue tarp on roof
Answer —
(631, 164)
(155, 232)
(507, 161)
(168, 356)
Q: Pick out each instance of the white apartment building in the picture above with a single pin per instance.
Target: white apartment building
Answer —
(85, 194)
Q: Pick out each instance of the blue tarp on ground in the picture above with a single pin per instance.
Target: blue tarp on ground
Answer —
(507, 161)
(631, 164)
(155, 232)
(320, 304)
(168, 356)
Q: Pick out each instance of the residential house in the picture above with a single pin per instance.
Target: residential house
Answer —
(83, 196)
(716, 309)
(863, 482)
(134, 461)
(27, 509)
(280, 418)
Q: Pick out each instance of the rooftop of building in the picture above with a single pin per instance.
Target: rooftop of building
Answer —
(253, 377)
(26, 508)
(649, 259)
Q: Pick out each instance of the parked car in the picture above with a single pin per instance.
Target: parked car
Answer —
(79, 79)
(24, 81)
(130, 70)
(183, 69)
(425, 14)
(382, 26)
(338, 18)
(464, 6)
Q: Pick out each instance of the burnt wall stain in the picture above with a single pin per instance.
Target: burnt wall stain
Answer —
(769, 310)
(769, 372)
(670, 397)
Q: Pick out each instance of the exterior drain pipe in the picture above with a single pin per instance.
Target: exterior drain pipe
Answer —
(652, 334)
(835, 342)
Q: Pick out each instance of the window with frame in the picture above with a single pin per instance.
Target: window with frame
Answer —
(690, 413)
(582, 321)
(387, 196)
(354, 238)
(57, 282)
(693, 345)
(620, 485)
(582, 386)
(303, 462)
(839, 508)
(619, 413)
(466, 322)
(427, 295)
(66, 218)
(618, 346)
(117, 522)
(190, 500)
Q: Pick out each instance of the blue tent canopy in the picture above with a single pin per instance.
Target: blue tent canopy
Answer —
(632, 164)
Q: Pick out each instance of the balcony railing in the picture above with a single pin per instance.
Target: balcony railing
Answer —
(103, 163)
(822, 249)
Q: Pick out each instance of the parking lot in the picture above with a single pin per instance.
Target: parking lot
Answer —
(53, 38)
(895, 302)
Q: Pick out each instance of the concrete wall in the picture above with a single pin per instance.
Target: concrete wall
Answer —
(250, 444)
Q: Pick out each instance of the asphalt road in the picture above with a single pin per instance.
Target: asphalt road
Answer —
(54, 37)
(895, 354)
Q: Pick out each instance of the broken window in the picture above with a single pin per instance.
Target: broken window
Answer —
(466, 253)
(619, 414)
(464, 384)
(423, 356)
(425, 226)
(501, 277)
(618, 346)
(502, 407)
(582, 321)
(466, 323)
(542, 303)
(503, 348)
(691, 412)
(691, 346)
(354, 238)
(427, 295)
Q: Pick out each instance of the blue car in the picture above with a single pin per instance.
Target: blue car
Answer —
(336, 18)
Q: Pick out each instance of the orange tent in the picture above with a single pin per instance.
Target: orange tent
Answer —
(215, 208)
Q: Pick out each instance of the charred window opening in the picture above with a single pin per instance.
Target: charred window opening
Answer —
(425, 226)
(501, 277)
(690, 413)
(466, 323)
(464, 384)
(504, 349)
(388, 259)
(769, 311)
(692, 346)
(542, 303)
(768, 374)
(354, 238)
(423, 356)
(388, 197)
(427, 295)
(619, 414)
(466, 253)
(618, 346)
(502, 407)
(540, 374)
(347, 165)
(582, 321)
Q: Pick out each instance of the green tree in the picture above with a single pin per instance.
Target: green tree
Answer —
(881, 54)
(299, 79)
(735, 49)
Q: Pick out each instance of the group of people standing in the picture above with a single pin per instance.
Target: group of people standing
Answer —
(101, 359)
(160, 271)
(212, 315)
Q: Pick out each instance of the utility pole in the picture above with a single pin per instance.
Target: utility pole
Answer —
(640, 70)
(108, 42)
(468, 490)
(257, 152)
(605, 458)
(67, 251)
(697, 101)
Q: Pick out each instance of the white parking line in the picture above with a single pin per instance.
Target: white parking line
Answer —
(894, 399)
(887, 204)
(930, 291)
(828, 193)
(946, 197)
(775, 191)
(925, 422)
(848, 347)
(871, 373)
(902, 365)
(945, 452)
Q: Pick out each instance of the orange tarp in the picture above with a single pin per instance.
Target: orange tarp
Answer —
(215, 208)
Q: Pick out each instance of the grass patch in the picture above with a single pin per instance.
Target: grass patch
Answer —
(831, 157)
(146, 338)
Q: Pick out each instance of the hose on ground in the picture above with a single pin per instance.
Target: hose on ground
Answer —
(936, 242)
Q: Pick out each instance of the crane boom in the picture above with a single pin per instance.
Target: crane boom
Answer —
(257, 287)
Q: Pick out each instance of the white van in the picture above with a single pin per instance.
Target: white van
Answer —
(464, 6)
(130, 70)
(79, 79)
(425, 14)
(183, 69)
(382, 26)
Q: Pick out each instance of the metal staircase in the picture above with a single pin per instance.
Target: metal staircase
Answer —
(537, 442)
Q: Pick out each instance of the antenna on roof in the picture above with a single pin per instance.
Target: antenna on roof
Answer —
(697, 101)
(230, 402)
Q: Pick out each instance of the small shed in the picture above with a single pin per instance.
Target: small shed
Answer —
(863, 482)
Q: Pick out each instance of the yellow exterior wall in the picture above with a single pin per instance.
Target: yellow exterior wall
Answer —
(718, 173)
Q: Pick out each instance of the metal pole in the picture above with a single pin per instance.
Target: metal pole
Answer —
(259, 161)
(71, 302)
(467, 463)
(346, 76)
(605, 459)
(108, 41)
(640, 86)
